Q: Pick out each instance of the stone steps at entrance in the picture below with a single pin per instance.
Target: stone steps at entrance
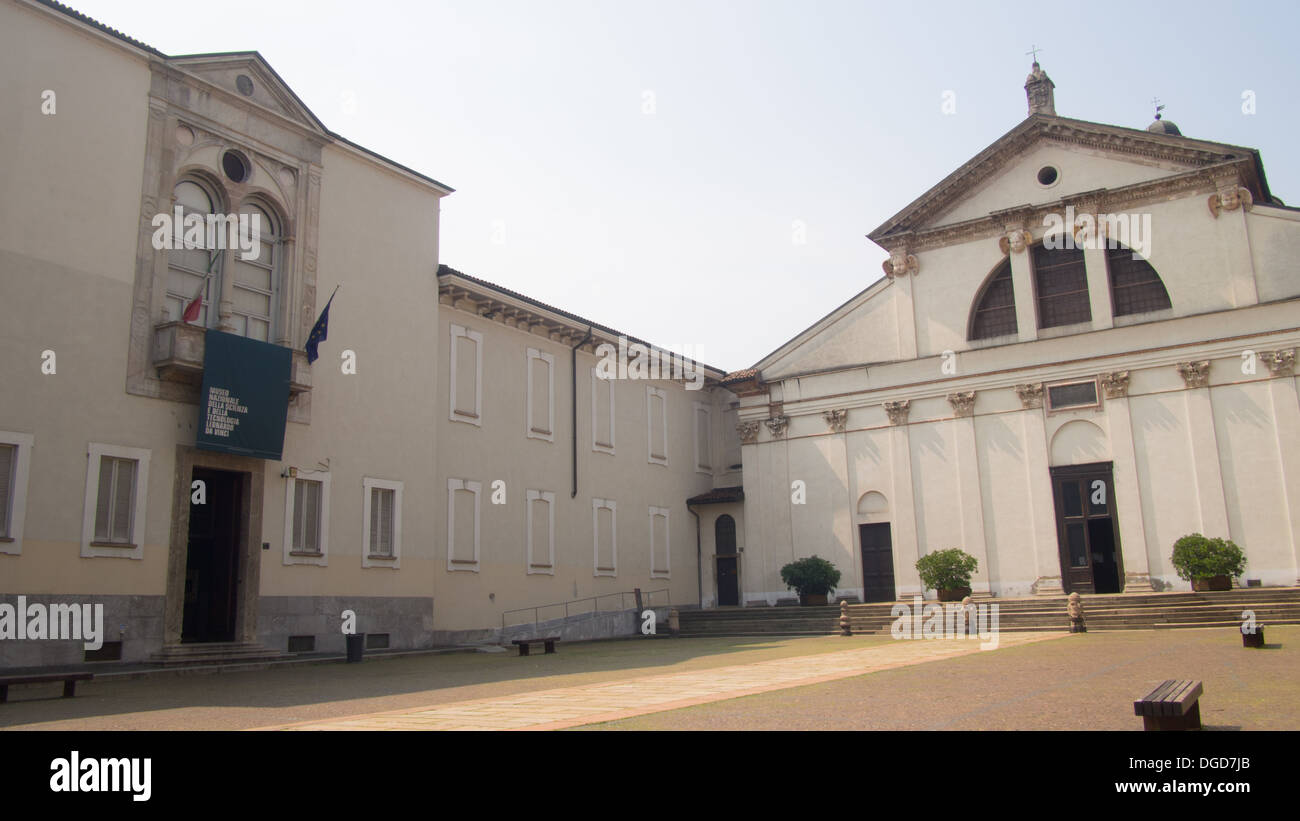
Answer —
(217, 652)
(1149, 611)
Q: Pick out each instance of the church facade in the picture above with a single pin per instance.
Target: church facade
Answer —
(1083, 348)
(1014, 386)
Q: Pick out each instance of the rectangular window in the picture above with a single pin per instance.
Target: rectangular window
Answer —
(604, 527)
(703, 438)
(540, 423)
(659, 543)
(463, 524)
(15, 459)
(306, 518)
(656, 401)
(540, 536)
(1061, 281)
(382, 528)
(1072, 395)
(466, 375)
(602, 413)
(116, 491)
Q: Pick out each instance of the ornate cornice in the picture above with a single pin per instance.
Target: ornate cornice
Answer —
(748, 432)
(1115, 384)
(898, 411)
(836, 418)
(1280, 363)
(1194, 374)
(1031, 395)
(776, 426)
(963, 403)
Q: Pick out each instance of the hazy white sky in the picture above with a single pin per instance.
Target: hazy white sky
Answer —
(644, 164)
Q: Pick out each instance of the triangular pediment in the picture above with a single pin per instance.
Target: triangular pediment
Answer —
(248, 76)
(1088, 157)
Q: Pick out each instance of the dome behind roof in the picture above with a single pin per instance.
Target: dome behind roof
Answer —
(1164, 127)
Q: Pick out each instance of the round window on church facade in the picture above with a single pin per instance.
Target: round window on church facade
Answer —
(235, 166)
(1047, 175)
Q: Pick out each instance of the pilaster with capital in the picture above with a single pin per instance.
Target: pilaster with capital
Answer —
(748, 432)
(898, 411)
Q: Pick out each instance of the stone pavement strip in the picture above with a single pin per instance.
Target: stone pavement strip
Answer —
(588, 704)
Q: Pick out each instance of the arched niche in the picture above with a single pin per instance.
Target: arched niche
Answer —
(1079, 442)
(873, 507)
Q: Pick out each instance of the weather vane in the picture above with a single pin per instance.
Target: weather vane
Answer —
(1155, 101)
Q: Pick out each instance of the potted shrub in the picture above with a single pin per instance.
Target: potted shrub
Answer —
(1209, 564)
(812, 578)
(948, 572)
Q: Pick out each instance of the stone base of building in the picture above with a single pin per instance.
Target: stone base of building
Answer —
(1048, 586)
(406, 621)
(1138, 583)
(132, 630)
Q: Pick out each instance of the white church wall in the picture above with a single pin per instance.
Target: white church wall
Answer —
(865, 332)
(1007, 502)
(1274, 248)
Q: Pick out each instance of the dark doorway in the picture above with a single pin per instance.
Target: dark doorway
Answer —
(877, 563)
(1091, 561)
(212, 558)
(724, 545)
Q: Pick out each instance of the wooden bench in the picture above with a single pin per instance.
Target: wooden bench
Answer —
(548, 641)
(1171, 706)
(69, 682)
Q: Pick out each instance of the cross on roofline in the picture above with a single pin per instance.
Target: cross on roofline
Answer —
(1033, 51)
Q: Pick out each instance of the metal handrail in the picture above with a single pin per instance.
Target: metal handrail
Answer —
(646, 599)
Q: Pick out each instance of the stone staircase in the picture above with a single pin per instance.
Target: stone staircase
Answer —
(217, 652)
(1143, 611)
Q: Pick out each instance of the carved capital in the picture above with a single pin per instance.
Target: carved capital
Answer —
(1031, 396)
(963, 403)
(776, 426)
(900, 264)
(898, 411)
(1280, 363)
(748, 432)
(1194, 374)
(1115, 384)
(1015, 241)
(1229, 198)
(836, 419)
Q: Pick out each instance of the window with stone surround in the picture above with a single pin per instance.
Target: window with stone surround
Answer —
(1135, 287)
(604, 532)
(15, 461)
(117, 484)
(306, 518)
(382, 522)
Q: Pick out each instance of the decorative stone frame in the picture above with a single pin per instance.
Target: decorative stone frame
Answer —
(248, 585)
(187, 132)
(368, 557)
(139, 496)
(12, 543)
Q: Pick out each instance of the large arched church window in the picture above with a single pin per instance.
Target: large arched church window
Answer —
(1135, 287)
(995, 308)
(193, 271)
(255, 281)
(1061, 283)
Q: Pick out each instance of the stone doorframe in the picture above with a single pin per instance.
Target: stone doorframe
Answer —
(248, 581)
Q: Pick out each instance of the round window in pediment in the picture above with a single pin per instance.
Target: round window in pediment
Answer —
(244, 84)
(1048, 175)
(235, 166)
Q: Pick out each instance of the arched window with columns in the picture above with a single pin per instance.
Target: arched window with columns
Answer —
(1061, 286)
(255, 282)
(193, 271)
(1135, 287)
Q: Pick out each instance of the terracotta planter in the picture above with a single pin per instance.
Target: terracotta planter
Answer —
(813, 600)
(955, 594)
(1212, 583)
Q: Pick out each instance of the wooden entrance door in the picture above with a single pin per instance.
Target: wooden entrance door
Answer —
(727, 561)
(212, 563)
(1087, 535)
(877, 562)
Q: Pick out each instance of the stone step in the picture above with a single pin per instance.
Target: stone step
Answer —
(214, 653)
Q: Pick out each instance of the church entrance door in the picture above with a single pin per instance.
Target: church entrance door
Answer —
(877, 562)
(1087, 535)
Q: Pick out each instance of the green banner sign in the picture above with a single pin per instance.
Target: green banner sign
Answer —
(245, 396)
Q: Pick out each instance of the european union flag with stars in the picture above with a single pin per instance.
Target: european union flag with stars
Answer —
(320, 331)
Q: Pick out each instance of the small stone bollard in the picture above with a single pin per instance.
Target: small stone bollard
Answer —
(846, 627)
(1074, 606)
(1252, 637)
(968, 611)
(674, 622)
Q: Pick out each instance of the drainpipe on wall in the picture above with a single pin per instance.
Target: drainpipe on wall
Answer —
(699, 567)
(573, 369)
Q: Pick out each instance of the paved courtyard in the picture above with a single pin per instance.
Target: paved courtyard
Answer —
(1033, 681)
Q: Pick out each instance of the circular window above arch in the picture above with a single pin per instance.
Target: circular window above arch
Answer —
(235, 166)
(245, 85)
(1048, 176)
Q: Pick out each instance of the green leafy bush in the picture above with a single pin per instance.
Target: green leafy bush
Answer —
(812, 576)
(1200, 557)
(947, 569)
